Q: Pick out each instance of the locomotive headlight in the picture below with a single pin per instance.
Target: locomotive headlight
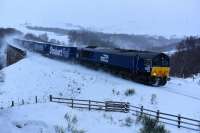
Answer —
(160, 71)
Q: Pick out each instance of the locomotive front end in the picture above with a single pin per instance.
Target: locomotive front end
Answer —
(160, 69)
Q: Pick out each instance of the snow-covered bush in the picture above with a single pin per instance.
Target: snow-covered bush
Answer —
(199, 82)
(59, 129)
(150, 125)
(72, 124)
(128, 122)
(108, 117)
(2, 76)
(44, 37)
(129, 92)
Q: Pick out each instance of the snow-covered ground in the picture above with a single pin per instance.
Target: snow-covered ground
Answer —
(40, 76)
(45, 117)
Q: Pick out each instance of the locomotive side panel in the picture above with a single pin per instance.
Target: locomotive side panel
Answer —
(62, 52)
(117, 60)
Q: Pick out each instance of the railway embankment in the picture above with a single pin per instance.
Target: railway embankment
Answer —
(14, 54)
(9, 56)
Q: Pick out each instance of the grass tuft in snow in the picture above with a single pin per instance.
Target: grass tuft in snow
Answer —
(129, 92)
(115, 92)
(154, 99)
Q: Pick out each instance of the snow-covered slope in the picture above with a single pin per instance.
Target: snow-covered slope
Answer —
(46, 117)
(41, 76)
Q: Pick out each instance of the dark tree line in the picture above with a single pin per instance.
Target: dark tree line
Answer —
(89, 38)
(7, 31)
(85, 36)
(186, 61)
(40, 38)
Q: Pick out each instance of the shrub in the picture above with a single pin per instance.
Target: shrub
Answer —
(2, 76)
(128, 122)
(129, 92)
(108, 117)
(151, 125)
(153, 99)
(72, 124)
(59, 129)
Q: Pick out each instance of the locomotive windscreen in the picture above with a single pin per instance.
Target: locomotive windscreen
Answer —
(161, 61)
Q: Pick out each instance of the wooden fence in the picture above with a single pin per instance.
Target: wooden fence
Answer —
(124, 107)
(113, 106)
(109, 106)
(170, 119)
(19, 102)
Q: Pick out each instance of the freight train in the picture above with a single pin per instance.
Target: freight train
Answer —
(143, 66)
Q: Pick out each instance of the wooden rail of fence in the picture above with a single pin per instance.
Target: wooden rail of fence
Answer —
(124, 107)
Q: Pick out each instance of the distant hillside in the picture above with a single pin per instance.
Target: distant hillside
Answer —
(127, 41)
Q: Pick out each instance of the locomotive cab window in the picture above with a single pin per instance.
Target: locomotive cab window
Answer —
(161, 61)
(147, 62)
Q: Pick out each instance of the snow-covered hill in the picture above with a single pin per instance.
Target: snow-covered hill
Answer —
(41, 76)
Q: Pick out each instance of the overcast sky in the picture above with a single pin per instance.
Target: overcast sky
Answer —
(155, 17)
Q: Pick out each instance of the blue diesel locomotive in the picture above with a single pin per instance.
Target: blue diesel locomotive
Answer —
(148, 67)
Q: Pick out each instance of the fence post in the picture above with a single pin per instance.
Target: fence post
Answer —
(141, 111)
(50, 98)
(89, 105)
(127, 107)
(72, 103)
(199, 126)
(22, 101)
(157, 115)
(36, 99)
(179, 121)
(12, 104)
